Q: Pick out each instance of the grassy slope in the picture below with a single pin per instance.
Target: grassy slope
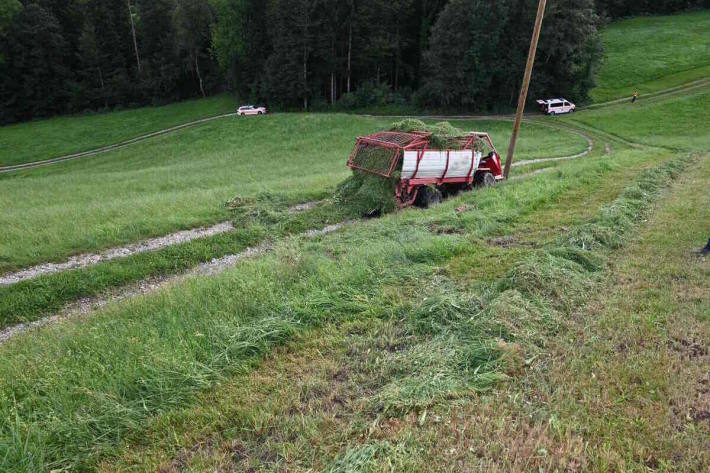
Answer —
(81, 388)
(653, 53)
(677, 122)
(182, 180)
(334, 409)
(156, 352)
(44, 139)
(610, 412)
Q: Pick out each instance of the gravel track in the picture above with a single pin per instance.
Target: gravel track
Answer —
(90, 259)
(84, 307)
(153, 244)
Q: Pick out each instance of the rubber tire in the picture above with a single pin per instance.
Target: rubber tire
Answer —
(261, 113)
(552, 114)
(429, 197)
(487, 179)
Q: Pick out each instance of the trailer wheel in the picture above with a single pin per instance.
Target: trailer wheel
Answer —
(429, 197)
(486, 179)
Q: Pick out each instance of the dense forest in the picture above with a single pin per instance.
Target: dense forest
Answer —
(66, 56)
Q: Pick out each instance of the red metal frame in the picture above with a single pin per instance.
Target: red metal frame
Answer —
(399, 142)
(408, 189)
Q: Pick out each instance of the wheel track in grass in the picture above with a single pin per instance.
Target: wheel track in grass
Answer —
(214, 267)
(123, 144)
(154, 244)
(109, 148)
(184, 236)
(218, 265)
(678, 90)
(84, 306)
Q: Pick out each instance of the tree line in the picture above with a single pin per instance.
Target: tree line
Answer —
(65, 56)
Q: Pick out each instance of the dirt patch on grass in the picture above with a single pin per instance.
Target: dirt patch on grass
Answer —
(511, 242)
(689, 349)
(327, 378)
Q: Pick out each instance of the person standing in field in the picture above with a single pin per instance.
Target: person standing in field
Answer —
(635, 97)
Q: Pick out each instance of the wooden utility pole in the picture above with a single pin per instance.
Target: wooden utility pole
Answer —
(133, 31)
(526, 85)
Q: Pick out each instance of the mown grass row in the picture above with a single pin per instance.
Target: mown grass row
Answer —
(261, 218)
(262, 221)
(78, 390)
(473, 341)
(423, 347)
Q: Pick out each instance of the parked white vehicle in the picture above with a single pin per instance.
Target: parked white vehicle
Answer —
(251, 110)
(556, 106)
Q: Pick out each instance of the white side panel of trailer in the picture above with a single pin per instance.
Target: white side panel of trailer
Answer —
(433, 164)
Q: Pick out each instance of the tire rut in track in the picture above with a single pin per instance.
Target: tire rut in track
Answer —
(145, 246)
(84, 307)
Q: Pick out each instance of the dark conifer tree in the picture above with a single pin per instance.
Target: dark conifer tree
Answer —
(478, 50)
(60, 56)
(34, 84)
(115, 50)
(192, 20)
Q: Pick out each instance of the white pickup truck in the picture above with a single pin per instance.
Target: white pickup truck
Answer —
(250, 110)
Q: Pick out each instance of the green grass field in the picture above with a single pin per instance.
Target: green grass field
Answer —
(557, 322)
(44, 139)
(183, 180)
(653, 53)
(659, 122)
(188, 338)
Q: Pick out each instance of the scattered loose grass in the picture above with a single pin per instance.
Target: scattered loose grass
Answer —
(367, 194)
(257, 218)
(79, 390)
(360, 459)
(451, 343)
(613, 221)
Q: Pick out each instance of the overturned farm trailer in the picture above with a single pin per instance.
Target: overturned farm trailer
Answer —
(423, 173)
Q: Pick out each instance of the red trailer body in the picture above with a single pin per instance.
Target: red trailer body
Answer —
(421, 167)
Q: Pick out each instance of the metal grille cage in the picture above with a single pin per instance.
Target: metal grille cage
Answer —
(379, 153)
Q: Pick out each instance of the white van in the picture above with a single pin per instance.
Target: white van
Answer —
(556, 106)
